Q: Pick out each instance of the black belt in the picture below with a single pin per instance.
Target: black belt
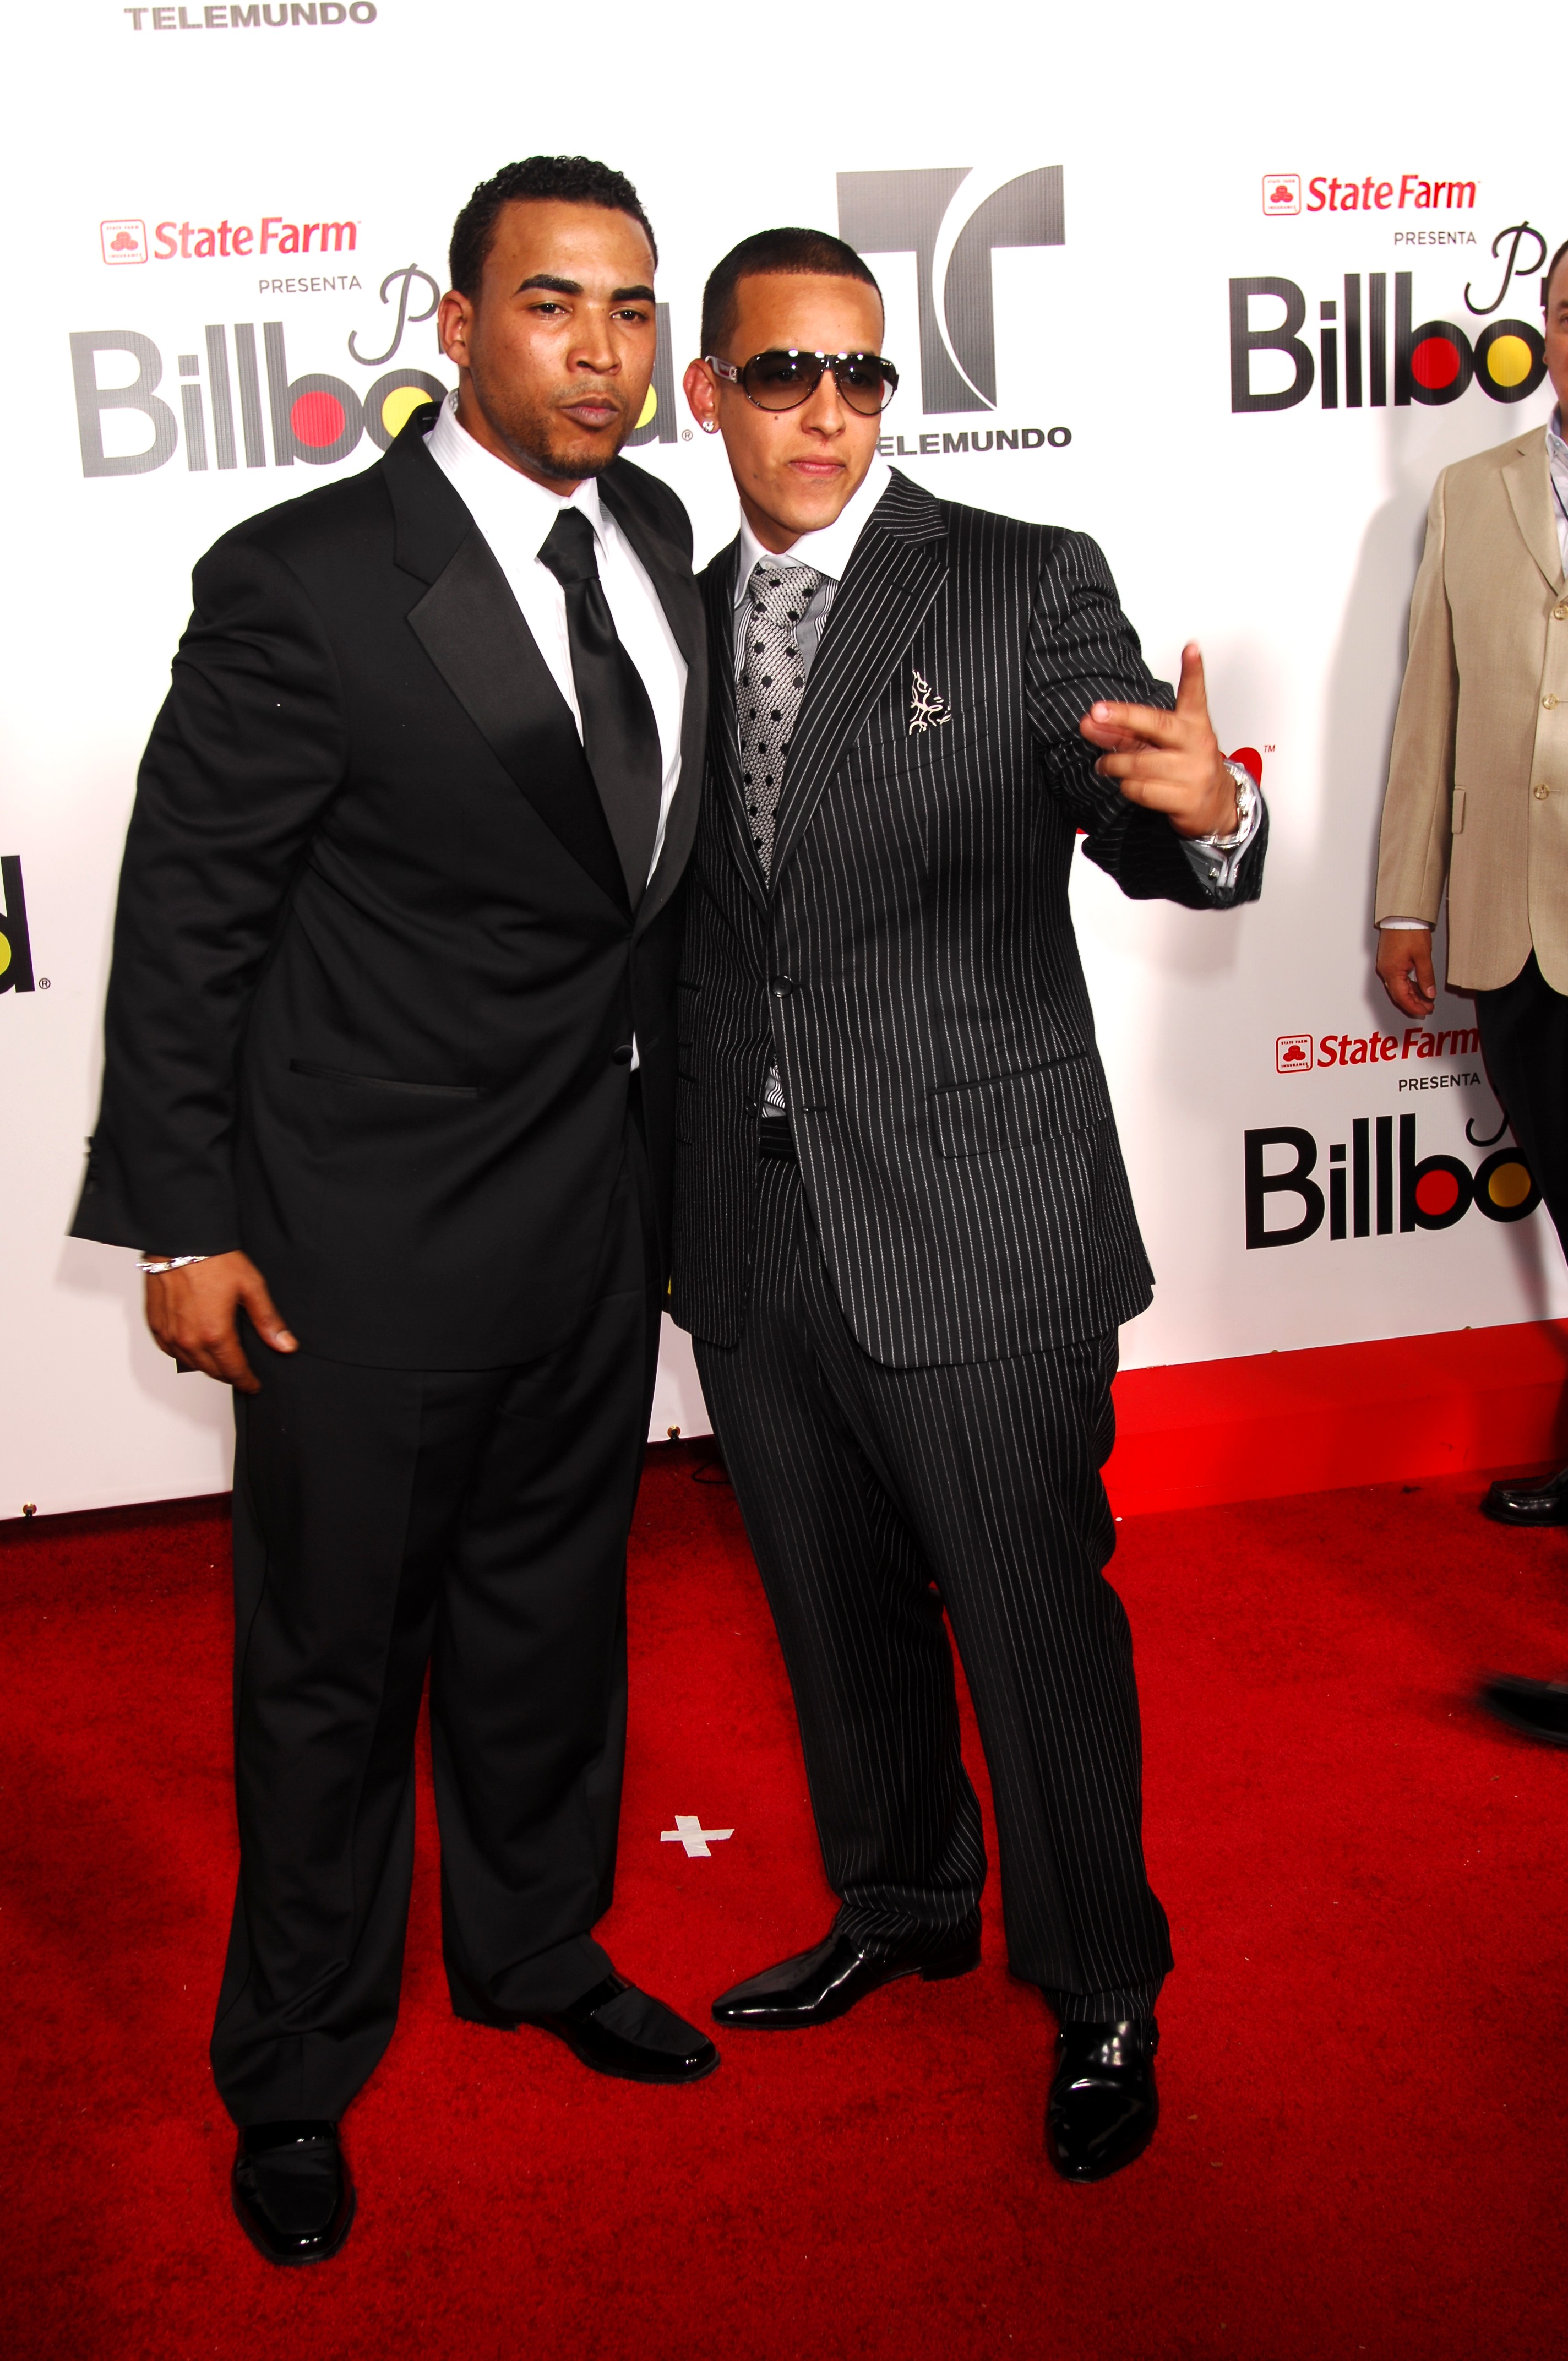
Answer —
(775, 1140)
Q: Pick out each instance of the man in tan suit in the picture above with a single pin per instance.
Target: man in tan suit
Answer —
(1478, 801)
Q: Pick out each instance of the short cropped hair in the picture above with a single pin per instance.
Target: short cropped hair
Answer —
(1546, 282)
(569, 180)
(770, 253)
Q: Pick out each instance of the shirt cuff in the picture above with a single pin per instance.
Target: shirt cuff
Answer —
(1408, 926)
(1217, 859)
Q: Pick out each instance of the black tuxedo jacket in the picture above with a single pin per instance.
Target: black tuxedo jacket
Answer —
(375, 976)
(912, 964)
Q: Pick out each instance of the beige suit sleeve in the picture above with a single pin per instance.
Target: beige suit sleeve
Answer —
(1412, 853)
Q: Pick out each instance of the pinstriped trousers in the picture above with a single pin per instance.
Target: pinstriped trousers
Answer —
(873, 1498)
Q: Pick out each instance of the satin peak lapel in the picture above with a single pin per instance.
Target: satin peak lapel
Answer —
(471, 628)
(1529, 483)
(892, 581)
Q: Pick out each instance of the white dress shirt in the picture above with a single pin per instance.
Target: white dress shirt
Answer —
(515, 515)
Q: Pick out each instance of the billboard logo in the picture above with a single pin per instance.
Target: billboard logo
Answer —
(231, 394)
(314, 417)
(1433, 360)
(15, 948)
(1293, 1053)
(1282, 192)
(1362, 1201)
(924, 214)
(659, 421)
(122, 241)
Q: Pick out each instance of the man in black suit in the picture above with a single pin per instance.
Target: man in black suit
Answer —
(903, 1239)
(388, 1107)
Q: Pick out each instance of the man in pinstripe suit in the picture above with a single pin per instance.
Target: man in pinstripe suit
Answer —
(904, 1238)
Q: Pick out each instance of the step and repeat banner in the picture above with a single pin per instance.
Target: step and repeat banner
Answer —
(1231, 319)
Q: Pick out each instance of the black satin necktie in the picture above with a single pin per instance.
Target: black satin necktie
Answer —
(621, 738)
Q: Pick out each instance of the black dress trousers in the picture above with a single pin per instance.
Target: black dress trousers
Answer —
(474, 1523)
(875, 1497)
(1524, 1039)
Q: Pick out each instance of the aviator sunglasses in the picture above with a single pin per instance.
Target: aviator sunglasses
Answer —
(782, 381)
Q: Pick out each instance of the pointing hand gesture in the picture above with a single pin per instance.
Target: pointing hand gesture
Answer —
(1168, 762)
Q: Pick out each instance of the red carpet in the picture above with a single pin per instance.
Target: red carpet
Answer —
(1364, 2073)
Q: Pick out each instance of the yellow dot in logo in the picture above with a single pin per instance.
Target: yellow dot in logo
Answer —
(1510, 1183)
(401, 403)
(651, 408)
(5, 954)
(1508, 362)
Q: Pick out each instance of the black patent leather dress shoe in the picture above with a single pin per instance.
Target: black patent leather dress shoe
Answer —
(1537, 1709)
(1529, 1499)
(617, 2029)
(293, 2195)
(816, 1986)
(1104, 2105)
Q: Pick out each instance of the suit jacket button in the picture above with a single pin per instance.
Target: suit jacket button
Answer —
(1540, 792)
(621, 1054)
(1559, 613)
(783, 986)
(1549, 701)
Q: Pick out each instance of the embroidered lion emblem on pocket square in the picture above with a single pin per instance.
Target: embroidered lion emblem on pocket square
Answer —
(929, 708)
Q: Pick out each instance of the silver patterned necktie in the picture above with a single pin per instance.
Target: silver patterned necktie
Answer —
(772, 682)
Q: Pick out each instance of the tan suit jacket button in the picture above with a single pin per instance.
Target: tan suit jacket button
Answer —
(1540, 794)
(1550, 702)
(1560, 612)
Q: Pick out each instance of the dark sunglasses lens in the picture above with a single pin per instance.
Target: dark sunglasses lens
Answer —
(781, 380)
(866, 384)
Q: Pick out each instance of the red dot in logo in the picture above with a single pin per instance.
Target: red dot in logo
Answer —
(317, 419)
(1435, 363)
(1437, 1193)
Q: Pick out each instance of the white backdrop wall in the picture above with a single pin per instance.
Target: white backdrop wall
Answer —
(173, 170)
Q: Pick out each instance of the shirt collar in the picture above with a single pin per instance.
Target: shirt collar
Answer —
(1555, 442)
(829, 551)
(489, 487)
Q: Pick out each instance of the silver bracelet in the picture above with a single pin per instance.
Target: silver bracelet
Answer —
(173, 1262)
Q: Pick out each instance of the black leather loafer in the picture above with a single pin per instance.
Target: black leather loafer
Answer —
(816, 1986)
(617, 2029)
(1529, 1499)
(1104, 2105)
(293, 2195)
(1536, 1710)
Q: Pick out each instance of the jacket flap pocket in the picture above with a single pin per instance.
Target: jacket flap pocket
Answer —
(1008, 1110)
(319, 1073)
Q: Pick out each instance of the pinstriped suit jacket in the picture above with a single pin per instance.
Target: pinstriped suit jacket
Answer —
(911, 964)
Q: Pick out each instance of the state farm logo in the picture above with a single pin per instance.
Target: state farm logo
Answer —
(1328, 195)
(934, 216)
(185, 241)
(122, 241)
(1294, 1052)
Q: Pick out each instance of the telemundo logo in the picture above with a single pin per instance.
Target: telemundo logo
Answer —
(926, 214)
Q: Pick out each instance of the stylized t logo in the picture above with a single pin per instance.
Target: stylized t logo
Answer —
(907, 213)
